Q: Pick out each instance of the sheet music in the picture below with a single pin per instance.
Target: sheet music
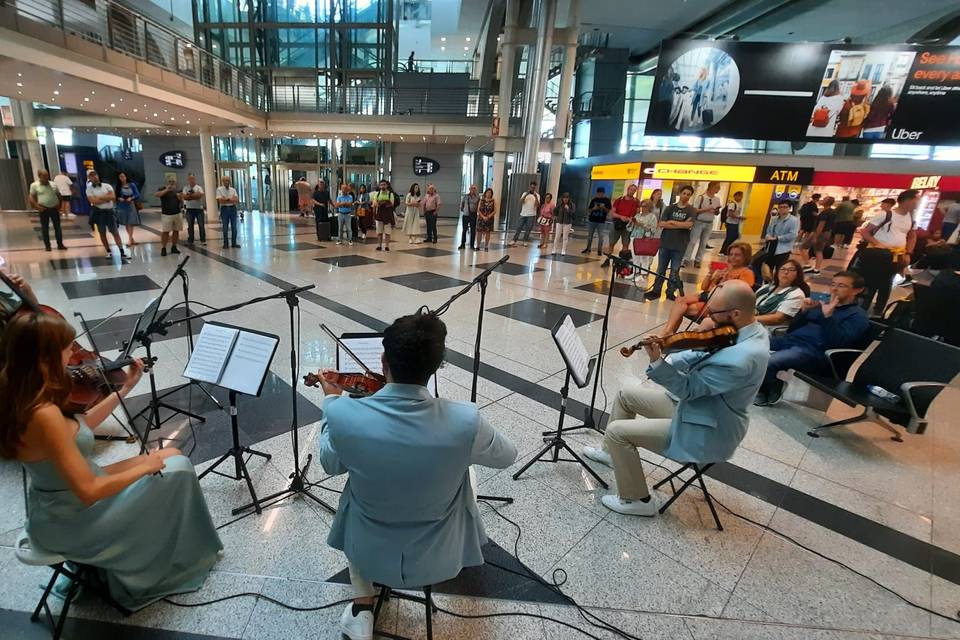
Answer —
(369, 351)
(248, 362)
(210, 353)
(574, 351)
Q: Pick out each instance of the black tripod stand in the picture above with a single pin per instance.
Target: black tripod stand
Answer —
(480, 280)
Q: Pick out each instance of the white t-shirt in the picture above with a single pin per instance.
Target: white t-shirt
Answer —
(226, 192)
(529, 203)
(703, 201)
(193, 204)
(99, 192)
(63, 184)
(952, 214)
(894, 233)
(734, 211)
(832, 104)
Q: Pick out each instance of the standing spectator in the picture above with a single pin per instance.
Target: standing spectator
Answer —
(411, 216)
(364, 212)
(529, 204)
(468, 216)
(431, 209)
(624, 209)
(344, 215)
(843, 220)
(644, 225)
(320, 201)
(485, 214)
(656, 202)
(45, 198)
(545, 220)
(951, 220)
(171, 220)
(385, 203)
(675, 225)
(597, 217)
(808, 216)
(819, 239)
(304, 196)
(102, 197)
(65, 186)
(781, 233)
(193, 202)
(228, 198)
(293, 197)
(733, 216)
(128, 205)
(707, 206)
(890, 238)
(410, 62)
(563, 223)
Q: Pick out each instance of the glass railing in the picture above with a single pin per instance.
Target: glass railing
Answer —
(438, 66)
(116, 27)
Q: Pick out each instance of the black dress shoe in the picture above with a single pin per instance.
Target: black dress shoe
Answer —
(606, 263)
(174, 250)
(163, 251)
(652, 295)
(62, 247)
(47, 249)
(460, 248)
(585, 251)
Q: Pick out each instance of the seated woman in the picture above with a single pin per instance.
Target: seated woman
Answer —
(149, 535)
(778, 303)
(691, 306)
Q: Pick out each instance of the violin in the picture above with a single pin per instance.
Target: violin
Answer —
(354, 383)
(688, 340)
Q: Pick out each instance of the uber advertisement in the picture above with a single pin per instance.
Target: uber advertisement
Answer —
(813, 92)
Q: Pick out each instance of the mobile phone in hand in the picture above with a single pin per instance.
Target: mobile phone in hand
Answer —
(820, 296)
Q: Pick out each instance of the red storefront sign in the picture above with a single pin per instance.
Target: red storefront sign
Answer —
(885, 180)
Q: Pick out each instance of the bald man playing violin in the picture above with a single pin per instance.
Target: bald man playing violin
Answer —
(699, 413)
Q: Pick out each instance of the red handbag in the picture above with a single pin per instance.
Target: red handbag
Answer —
(646, 246)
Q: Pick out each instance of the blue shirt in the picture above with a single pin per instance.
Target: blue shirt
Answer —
(785, 229)
(344, 204)
(847, 327)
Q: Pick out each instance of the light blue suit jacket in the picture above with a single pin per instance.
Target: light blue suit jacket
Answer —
(786, 232)
(714, 392)
(407, 516)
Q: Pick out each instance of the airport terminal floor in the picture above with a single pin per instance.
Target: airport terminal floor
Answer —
(811, 526)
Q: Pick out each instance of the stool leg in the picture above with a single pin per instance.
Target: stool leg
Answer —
(71, 594)
(706, 496)
(428, 601)
(384, 596)
(46, 594)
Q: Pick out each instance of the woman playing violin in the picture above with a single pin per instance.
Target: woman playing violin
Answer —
(150, 535)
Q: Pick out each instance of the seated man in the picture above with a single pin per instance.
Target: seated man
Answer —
(837, 324)
(407, 516)
(701, 413)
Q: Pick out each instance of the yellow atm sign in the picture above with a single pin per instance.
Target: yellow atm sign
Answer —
(726, 173)
(622, 171)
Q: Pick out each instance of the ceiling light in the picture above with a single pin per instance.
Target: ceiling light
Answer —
(55, 92)
(19, 84)
(93, 93)
(468, 38)
(155, 115)
(112, 105)
(466, 48)
(86, 99)
(188, 122)
(401, 137)
(443, 38)
(134, 109)
(443, 48)
(19, 75)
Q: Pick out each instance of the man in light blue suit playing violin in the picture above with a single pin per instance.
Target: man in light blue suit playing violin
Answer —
(699, 416)
(408, 516)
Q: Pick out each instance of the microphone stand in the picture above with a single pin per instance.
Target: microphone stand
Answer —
(481, 280)
(589, 421)
(299, 485)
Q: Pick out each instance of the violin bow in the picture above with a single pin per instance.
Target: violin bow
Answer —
(347, 350)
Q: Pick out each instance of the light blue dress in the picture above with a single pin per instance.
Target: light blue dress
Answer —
(153, 539)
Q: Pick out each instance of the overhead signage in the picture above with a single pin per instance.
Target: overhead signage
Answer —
(173, 159)
(698, 172)
(424, 166)
(814, 92)
(784, 175)
(926, 182)
(622, 171)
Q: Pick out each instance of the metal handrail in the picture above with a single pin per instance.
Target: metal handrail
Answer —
(117, 27)
(438, 66)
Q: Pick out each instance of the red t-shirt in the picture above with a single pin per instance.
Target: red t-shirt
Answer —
(625, 207)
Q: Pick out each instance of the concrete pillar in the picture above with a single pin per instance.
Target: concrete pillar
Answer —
(545, 13)
(53, 155)
(508, 52)
(562, 128)
(23, 117)
(210, 181)
(4, 151)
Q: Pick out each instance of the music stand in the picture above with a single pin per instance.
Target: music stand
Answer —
(579, 367)
(239, 365)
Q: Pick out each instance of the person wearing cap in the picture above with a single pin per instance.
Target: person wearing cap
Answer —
(855, 110)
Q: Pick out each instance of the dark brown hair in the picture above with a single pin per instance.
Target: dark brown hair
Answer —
(31, 373)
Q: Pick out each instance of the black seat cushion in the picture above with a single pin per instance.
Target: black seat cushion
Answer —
(853, 395)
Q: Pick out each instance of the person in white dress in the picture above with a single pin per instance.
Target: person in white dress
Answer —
(411, 217)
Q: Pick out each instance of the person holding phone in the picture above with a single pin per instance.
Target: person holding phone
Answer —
(839, 323)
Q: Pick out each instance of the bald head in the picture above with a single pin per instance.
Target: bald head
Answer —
(733, 303)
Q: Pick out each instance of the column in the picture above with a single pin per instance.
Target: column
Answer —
(508, 50)
(53, 155)
(210, 182)
(562, 128)
(23, 117)
(546, 13)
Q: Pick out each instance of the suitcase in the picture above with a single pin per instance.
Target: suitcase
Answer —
(332, 223)
(323, 230)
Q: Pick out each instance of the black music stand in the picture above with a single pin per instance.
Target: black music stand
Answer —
(574, 356)
(238, 361)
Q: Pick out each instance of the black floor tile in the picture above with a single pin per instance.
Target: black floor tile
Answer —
(113, 332)
(510, 268)
(428, 252)
(107, 286)
(259, 418)
(82, 264)
(569, 259)
(426, 281)
(16, 625)
(624, 290)
(541, 313)
(297, 246)
(351, 260)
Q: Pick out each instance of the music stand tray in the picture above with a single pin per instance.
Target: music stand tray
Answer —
(579, 367)
(237, 360)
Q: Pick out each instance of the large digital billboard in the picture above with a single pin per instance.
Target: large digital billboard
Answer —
(814, 92)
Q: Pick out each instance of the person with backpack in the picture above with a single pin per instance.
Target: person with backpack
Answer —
(855, 110)
(385, 203)
(890, 237)
(823, 122)
(707, 206)
(733, 216)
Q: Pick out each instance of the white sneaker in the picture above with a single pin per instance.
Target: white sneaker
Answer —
(598, 455)
(338, 242)
(351, 243)
(359, 627)
(646, 509)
